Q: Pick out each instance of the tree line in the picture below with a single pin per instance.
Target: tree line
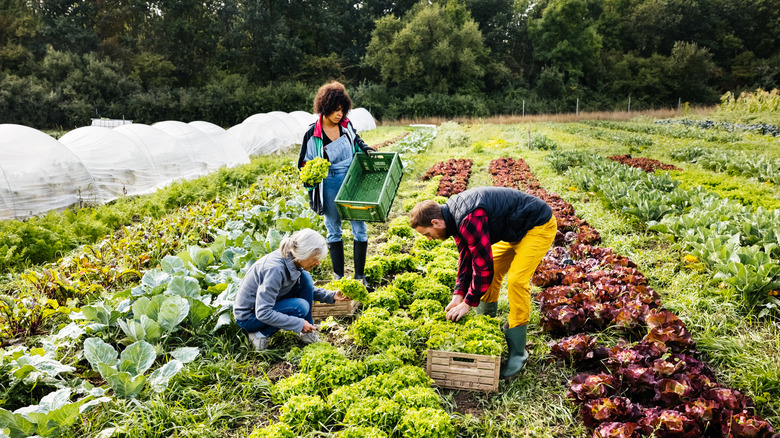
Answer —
(64, 61)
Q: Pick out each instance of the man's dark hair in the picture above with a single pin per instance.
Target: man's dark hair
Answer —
(330, 97)
(423, 214)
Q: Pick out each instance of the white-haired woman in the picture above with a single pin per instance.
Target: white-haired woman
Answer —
(277, 291)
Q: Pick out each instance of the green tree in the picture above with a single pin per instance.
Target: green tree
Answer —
(565, 38)
(68, 25)
(644, 79)
(261, 44)
(433, 48)
(17, 26)
(692, 70)
(187, 33)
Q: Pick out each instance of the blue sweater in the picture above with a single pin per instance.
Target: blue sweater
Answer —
(268, 281)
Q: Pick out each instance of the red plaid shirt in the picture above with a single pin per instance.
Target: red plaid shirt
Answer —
(475, 261)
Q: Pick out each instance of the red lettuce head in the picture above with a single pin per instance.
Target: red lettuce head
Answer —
(617, 430)
(744, 425)
(730, 399)
(706, 412)
(671, 392)
(609, 410)
(585, 387)
(667, 423)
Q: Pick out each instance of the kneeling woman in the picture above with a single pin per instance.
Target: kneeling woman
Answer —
(277, 292)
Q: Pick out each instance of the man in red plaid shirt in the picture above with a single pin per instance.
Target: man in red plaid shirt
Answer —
(499, 232)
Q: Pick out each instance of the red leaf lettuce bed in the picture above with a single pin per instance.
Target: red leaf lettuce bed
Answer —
(455, 176)
(656, 386)
(649, 165)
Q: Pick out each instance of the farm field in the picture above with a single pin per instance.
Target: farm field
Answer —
(131, 336)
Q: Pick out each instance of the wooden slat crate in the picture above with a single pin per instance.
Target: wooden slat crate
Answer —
(321, 311)
(472, 372)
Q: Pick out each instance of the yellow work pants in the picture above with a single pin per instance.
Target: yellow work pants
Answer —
(519, 260)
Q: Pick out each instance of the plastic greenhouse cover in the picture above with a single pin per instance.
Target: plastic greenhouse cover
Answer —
(235, 154)
(305, 119)
(297, 129)
(361, 119)
(260, 137)
(95, 164)
(118, 165)
(172, 160)
(207, 152)
(39, 174)
(284, 128)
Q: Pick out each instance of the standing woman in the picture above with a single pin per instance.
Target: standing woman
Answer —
(333, 138)
(277, 291)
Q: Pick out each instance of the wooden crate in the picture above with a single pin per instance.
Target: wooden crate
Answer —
(472, 372)
(321, 311)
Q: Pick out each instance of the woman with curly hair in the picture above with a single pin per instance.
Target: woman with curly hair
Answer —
(333, 138)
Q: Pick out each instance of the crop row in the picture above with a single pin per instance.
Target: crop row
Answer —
(393, 140)
(119, 339)
(758, 167)
(654, 388)
(648, 165)
(119, 260)
(669, 130)
(508, 172)
(41, 239)
(385, 393)
(759, 128)
(455, 174)
(741, 245)
(417, 141)
(610, 134)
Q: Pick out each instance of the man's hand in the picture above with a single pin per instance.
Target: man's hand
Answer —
(338, 297)
(457, 312)
(456, 299)
(308, 328)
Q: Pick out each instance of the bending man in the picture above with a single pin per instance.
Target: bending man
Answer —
(499, 232)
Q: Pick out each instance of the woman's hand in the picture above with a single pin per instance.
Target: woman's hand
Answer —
(338, 297)
(308, 328)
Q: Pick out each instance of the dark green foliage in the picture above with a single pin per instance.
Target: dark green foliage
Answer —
(62, 63)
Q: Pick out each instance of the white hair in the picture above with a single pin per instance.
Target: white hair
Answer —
(303, 245)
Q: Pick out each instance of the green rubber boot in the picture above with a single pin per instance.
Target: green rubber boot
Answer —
(515, 339)
(488, 309)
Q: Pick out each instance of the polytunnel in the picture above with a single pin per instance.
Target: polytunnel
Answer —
(285, 127)
(38, 174)
(118, 165)
(206, 152)
(304, 119)
(235, 154)
(172, 160)
(260, 136)
(297, 129)
(361, 119)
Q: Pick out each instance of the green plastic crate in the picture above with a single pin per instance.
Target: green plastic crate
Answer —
(370, 187)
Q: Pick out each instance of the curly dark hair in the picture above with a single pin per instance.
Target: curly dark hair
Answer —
(330, 97)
